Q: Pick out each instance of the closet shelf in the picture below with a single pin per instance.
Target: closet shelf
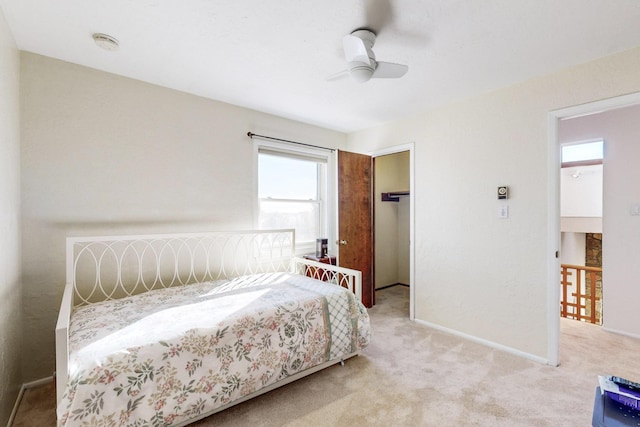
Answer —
(393, 196)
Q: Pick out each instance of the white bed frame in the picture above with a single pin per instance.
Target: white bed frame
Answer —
(111, 267)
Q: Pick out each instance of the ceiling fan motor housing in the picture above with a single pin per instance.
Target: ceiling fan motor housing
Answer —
(361, 71)
(367, 36)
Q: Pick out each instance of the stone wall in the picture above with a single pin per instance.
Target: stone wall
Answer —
(593, 258)
(593, 250)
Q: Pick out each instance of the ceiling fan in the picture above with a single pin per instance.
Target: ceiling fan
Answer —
(362, 64)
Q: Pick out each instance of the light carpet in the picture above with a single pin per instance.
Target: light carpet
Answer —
(411, 375)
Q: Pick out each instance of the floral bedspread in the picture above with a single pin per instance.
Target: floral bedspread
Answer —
(166, 356)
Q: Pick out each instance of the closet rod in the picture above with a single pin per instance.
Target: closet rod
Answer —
(393, 196)
(251, 135)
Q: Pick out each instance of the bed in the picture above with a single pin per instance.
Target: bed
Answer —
(169, 329)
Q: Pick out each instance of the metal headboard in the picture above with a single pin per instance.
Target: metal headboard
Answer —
(105, 268)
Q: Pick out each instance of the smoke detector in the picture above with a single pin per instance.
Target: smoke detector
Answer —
(105, 41)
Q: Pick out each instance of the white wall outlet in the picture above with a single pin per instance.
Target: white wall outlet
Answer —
(634, 210)
(503, 212)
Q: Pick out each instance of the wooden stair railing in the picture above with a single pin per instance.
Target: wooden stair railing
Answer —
(586, 301)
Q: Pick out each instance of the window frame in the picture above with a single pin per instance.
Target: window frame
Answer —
(327, 187)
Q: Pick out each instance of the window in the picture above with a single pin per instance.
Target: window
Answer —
(293, 192)
(582, 153)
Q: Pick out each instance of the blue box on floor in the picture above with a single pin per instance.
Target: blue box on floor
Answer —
(609, 413)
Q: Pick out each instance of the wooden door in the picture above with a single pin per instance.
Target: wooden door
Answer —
(355, 223)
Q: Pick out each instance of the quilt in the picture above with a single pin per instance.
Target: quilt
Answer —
(166, 356)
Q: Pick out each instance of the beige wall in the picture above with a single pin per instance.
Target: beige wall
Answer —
(620, 129)
(10, 290)
(477, 274)
(103, 154)
(391, 220)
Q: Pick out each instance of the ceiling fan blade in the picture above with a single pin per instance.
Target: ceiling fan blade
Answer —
(389, 70)
(338, 76)
(355, 50)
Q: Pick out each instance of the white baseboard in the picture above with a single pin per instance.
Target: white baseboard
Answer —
(15, 406)
(24, 387)
(487, 343)
(38, 383)
(626, 334)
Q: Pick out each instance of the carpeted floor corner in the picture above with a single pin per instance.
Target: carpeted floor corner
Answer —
(37, 407)
(411, 375)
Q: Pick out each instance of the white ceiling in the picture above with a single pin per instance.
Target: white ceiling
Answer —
(274, 56)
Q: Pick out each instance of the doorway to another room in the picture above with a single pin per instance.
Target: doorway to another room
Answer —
(581, 226)
(616, 122)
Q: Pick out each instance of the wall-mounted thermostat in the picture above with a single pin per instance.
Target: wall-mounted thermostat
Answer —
(503, 193)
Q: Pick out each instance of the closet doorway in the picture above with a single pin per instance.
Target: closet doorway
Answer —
(393, 220)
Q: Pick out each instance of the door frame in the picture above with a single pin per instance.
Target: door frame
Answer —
(553, 204)
(410, 147)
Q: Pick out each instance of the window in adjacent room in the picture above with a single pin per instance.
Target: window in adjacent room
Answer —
(293, 192)
(582, 153)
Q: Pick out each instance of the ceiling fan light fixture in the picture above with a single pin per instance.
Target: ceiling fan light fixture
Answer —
(106, 41)
(361, 73)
